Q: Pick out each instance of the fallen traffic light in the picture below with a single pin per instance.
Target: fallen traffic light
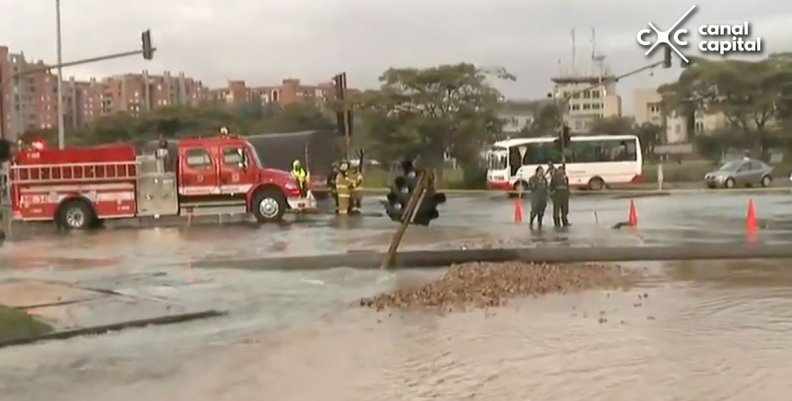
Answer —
(397, 198)
(427, 210)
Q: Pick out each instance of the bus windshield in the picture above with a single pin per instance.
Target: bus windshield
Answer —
(497, 159)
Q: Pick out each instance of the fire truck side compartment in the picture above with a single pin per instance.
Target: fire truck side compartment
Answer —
(157, 194)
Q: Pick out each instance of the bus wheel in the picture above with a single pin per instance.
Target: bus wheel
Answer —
(269, 205)
(596, 184)
(75, 215)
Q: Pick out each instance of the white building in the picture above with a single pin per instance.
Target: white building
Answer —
(590, 97)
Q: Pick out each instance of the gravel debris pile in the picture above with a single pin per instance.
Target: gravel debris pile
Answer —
(485, 285)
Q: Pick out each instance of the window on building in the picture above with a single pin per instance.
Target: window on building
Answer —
(575, 107)
(586, 106)
(586, 94)
(595, 94)
(198, 159)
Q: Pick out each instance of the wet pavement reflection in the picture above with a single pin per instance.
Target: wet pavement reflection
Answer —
(707, 331)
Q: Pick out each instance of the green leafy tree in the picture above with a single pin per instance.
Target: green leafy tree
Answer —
(612, 126)
(650, 136)
(545, 122)
(174, 122)
(751, 96)
(426, 112)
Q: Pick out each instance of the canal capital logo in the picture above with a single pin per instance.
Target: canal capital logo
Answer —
(722, 39)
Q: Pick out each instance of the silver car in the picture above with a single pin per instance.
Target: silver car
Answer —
(745, 172)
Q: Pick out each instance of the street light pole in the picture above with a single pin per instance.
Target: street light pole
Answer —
(61, 124)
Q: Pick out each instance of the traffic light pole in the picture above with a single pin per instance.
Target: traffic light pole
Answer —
(408, 215)
(563, 104)
(147, 52)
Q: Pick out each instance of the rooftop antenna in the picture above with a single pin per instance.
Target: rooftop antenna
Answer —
(598, 59)
(574, 53)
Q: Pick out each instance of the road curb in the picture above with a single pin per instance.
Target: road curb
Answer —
(444, 258)
(96, 330)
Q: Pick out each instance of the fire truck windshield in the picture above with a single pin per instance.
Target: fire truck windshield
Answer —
(255, 156)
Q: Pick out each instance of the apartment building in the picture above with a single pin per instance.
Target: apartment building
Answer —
(28, 102)
(290, 90)
(590, 97)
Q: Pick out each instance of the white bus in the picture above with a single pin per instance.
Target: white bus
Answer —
(592, 161)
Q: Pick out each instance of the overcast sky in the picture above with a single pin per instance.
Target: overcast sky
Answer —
(263, 41)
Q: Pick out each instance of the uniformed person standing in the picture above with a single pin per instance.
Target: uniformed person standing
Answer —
(300, 177)
(538, 187)
(559, 192)
(355, 186)
(331, 184)
(342, 187)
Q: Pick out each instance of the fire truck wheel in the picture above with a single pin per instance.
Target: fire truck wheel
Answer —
(269, 205)
(75, 215)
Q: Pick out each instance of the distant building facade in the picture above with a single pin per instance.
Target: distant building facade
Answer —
(590, 97)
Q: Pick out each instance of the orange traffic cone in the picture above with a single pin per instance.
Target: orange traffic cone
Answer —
(750, 218)
(518, 210)
(632, 218)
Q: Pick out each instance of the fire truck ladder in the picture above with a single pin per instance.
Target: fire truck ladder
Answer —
(73, 172)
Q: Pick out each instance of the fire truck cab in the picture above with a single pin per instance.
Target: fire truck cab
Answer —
(79, 188)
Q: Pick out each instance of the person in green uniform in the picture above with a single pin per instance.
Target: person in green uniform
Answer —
(331, 184)
(538, 187)
(559, 192)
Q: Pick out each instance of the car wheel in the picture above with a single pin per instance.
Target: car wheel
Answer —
(767, 181)
(729, 183)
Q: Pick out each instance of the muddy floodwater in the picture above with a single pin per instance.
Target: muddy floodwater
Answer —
(700, 331)
(693, 331)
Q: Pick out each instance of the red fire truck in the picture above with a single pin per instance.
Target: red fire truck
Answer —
(79, 188)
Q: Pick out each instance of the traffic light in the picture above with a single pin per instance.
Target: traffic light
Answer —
(427, 210)
(148, 50)
(344, 124)
(402, 190)
(666, 56)
(564, 136)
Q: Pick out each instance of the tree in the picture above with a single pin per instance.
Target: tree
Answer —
(174, 122)
(545, 122)
(750, 95)
(612, 126)
(650, 135)
(427, 112)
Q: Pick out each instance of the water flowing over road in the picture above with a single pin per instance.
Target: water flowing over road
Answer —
(685, 331)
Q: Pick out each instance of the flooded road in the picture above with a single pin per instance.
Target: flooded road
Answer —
(706, 331)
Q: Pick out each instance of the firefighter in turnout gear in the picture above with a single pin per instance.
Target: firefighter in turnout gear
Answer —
(300, 177)
(559, 193)
(355, 186)
(342, 182)
(331, 184)
(538, 187)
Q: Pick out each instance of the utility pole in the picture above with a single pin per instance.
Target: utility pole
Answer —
(344, 116)
(61, 112)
